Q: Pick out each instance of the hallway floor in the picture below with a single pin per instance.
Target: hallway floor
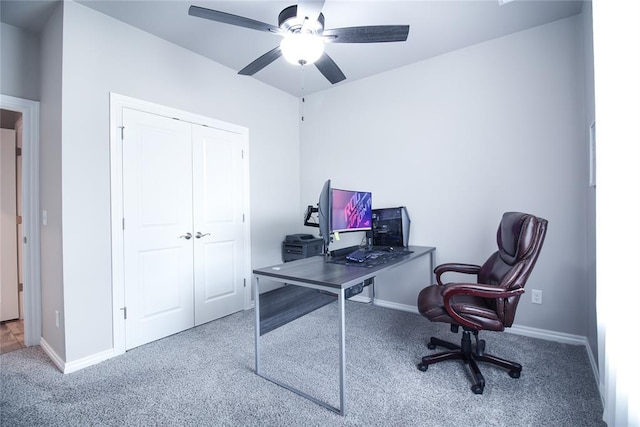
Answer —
(11, 336)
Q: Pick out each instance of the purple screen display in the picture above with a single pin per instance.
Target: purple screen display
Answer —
(351, 210)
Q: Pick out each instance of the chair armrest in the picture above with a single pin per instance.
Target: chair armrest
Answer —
(456, 268)
(477, 290)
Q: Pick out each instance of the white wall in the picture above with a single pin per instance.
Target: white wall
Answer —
(461, 138)
(51, 184)
(102, 55)
(590, 117)
(19, 63)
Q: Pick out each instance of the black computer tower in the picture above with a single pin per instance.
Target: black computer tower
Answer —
(390, 227)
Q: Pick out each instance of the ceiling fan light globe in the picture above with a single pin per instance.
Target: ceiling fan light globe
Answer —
(301, 48)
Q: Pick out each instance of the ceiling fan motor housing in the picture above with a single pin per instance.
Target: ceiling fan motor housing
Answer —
(289, 21)
(304, 36)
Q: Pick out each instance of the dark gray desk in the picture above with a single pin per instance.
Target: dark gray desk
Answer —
(316, 273)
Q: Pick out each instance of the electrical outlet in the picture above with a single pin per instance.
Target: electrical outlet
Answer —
(57, 319)
(536, 296)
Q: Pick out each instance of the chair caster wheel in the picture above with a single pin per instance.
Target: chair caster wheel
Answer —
(431, 346)
(477, 388)
(423, 367)
(514, 374)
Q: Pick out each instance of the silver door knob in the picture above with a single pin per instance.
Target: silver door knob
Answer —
(186, 236)
(199, 234)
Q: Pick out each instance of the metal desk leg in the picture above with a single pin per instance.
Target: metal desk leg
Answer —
(341, 304)
(342, 353)
(373, 291)
(257, 308)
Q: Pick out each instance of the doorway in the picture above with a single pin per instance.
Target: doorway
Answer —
(23, 116)
(11, 308)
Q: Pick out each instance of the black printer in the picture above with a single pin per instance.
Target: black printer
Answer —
(298, 246)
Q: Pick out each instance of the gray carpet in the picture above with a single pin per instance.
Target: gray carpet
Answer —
(204, 377)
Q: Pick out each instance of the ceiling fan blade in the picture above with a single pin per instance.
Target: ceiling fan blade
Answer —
(310, 9)
(261, 62)
(367, 34)
(329, 69)
(227, 18)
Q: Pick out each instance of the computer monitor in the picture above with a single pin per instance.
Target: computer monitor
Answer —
(342, 211)
(350, 211)
(324, 214)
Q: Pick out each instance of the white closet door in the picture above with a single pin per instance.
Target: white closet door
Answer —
(218, 217)
(157, 199)
(8, 230)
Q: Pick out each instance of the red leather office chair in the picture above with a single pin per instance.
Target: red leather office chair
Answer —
(489, 303)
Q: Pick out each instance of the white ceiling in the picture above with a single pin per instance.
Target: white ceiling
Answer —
(436, 27)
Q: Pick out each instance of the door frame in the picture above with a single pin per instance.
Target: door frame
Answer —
(30, 213)
(117, 103)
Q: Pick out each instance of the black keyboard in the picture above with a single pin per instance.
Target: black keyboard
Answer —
(359, 255)
(375, 256)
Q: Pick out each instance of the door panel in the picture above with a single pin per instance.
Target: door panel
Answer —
(217, 213)
(157, 200)
(157, 301)
(219, 267)
(8, 230)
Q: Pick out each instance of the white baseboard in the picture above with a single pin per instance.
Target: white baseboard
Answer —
(547, 335)
(57, 360)
(76, 365)
(85, 362)
(386, 304)
(515, 329)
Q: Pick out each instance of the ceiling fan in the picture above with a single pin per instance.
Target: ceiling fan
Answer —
(304, 36)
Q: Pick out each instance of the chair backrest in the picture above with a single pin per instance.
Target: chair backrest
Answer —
(520, 237)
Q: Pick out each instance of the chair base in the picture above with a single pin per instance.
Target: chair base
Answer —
(464, 352)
